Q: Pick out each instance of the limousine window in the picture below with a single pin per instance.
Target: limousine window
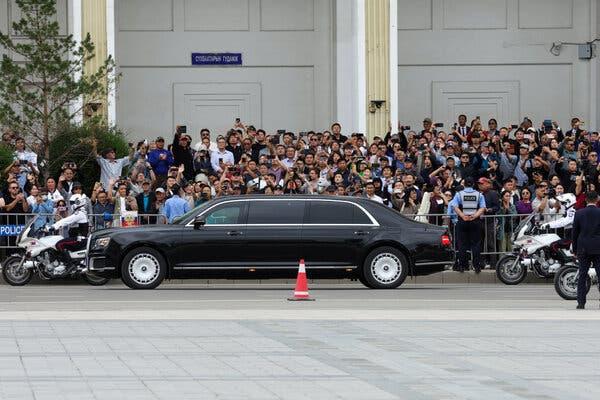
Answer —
(226, 214)
(336, 212)
(275, 212)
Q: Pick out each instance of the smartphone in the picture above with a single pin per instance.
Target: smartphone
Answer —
(438, 125)
(220, 160)
(237, 120)
(281, 131)
(513, 126)
(182, 129)
(23, 162)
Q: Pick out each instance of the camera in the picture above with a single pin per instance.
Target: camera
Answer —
(438, 125)
(181, 129)
(405, 128)
(551, 193)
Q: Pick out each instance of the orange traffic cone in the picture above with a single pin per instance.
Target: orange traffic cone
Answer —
(301, 291)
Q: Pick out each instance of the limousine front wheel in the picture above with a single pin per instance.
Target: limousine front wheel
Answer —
(143, 268)
(385, 268)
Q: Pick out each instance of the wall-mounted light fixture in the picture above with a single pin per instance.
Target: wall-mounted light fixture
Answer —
(374, 105)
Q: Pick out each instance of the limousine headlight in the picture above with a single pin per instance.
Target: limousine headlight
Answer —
(101, 243)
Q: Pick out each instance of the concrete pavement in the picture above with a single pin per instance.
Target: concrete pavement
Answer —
(248, 342)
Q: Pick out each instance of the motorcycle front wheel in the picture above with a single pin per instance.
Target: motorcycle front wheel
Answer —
(14, 273)
(565, 282)
(510, 270)
(95, 280)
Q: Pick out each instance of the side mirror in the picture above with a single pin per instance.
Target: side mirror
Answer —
(199, 222)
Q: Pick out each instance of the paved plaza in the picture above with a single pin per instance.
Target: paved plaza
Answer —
(248, 342)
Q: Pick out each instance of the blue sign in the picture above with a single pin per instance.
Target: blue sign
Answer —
(11, 230)
(216, 58)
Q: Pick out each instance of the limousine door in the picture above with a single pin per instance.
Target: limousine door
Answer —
(334, 232)
(273, 232)
(219, 244)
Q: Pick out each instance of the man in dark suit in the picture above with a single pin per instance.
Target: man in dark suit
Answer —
(586, 243)
(146, 204)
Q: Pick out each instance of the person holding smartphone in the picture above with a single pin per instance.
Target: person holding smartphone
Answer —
(222, 157)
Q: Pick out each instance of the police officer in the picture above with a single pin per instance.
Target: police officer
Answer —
(469, 205)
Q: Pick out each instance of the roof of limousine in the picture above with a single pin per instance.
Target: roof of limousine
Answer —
(294, 196)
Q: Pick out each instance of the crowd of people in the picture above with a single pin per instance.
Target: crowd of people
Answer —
(518, 168)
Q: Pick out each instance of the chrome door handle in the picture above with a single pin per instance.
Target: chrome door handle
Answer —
(234, 233)
(361, 233)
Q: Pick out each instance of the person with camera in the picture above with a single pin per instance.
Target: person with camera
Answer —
(183, 154)
(221, 158)
(42, 206)
(544, 204)
(469, 205)
(27, 161)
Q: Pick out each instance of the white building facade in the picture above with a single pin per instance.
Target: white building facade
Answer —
(303, 62)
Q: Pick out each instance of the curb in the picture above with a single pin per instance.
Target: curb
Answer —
(446, 277)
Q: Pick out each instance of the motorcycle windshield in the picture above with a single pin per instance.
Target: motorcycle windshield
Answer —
(27, 230)
(522, 224)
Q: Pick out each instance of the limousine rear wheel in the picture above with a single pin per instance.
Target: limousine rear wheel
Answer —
(143, 268)
(385, 268)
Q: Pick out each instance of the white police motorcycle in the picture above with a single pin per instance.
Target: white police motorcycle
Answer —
(50, 255)
(537, 250)
(566, 278)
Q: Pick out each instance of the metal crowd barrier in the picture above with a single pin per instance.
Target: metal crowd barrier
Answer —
(494, 243)
(496, 231)
(12, 224)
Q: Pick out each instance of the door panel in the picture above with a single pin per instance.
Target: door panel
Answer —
(334, 233)
(273, 232)
(219, 243)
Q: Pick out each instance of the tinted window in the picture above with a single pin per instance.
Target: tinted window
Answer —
(334, 212)
(225, 214)
(276, 212)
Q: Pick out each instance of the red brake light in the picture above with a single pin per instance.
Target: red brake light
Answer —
(446, 242)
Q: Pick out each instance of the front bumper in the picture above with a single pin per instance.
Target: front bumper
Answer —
(99, 264)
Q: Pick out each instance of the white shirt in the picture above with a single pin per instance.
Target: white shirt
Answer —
(288, 162)
(55, 196)
(226, 155)
(212, 147)
(375, 198)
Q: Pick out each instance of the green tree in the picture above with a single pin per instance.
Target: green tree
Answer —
(42, 95)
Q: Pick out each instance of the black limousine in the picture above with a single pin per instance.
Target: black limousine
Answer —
(260, 237)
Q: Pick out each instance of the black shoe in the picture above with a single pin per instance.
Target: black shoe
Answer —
(580, 307)
(477, 270)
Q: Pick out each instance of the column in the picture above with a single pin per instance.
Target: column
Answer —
(93, 21)
(377, 40)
